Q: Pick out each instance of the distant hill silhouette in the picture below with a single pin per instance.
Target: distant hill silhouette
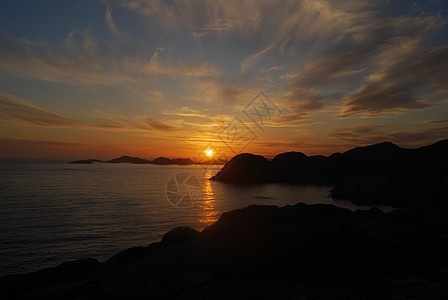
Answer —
(161, 161)
(382, 173)
(176, 161)
(129, 159)
(158, 161)
(87, 161)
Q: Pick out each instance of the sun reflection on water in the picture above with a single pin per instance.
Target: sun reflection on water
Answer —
(208, 212)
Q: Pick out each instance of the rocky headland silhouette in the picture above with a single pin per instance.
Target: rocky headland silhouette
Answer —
(378, 174)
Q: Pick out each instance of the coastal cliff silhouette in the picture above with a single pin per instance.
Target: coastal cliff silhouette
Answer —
(382, 173)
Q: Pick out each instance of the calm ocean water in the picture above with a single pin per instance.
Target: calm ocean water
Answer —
(55, 212)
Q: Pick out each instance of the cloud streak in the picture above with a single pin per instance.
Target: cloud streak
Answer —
(405, 69)
(252, 60)
(359, 135)
(381, 62)
(17, 110)
(159, 125)
(21, 112)
(83, 62)
(111, 24)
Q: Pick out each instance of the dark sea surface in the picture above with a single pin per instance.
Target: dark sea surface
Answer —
(56, 212)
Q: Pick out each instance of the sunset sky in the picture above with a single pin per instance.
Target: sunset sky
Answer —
(98, 79)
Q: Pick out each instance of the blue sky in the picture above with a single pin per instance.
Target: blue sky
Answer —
(150, 78)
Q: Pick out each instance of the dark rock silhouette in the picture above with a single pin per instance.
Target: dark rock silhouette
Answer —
(14, 286)
(161, 161)
(245, 168)
(378, 174)
(300, 251)
(87, 161)
(179, 235)
(158, 161)
(129, 159)
(289, 167)
(176, 161)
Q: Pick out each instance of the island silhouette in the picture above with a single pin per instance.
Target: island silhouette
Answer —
(293, 252)
(158, 161)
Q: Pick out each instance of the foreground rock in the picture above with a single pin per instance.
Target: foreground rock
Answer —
(378, 174)
(300, 251)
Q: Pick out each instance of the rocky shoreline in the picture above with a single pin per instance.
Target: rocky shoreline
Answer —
(300, 251)
(377, 174)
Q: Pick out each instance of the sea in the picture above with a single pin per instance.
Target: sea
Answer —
(53, 211)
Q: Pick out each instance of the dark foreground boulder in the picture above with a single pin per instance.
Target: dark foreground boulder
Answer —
(267, 252)
(52, 281)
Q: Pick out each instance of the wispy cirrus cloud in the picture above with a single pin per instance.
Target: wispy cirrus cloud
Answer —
(252, 60)
(36, 143)
(83, 62)
(405, 68)
(142, 123)
(186, 112)
(21, 112)
(16, 110)
(172, 68)
(380, 62)
(334, 42)
(359, 135)
(159, 125)
(112, 26)
(436, 121)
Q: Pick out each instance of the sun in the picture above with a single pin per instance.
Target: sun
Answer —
(209, 153)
